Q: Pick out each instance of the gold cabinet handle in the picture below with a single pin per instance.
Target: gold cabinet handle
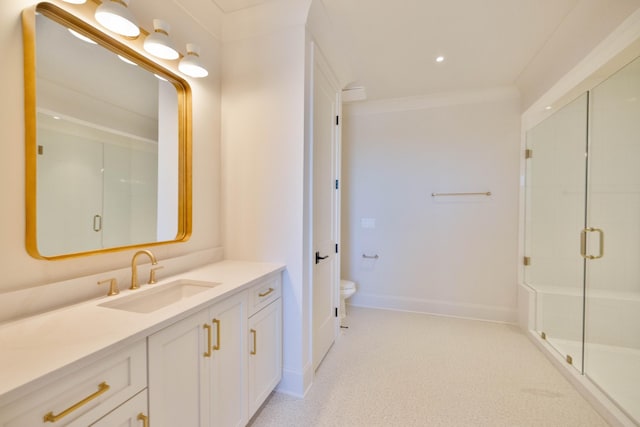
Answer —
(583, 243)
(145, 420)
(255, 345)
(208, 352)
(103, 387)
(217, 323)
(266, 293)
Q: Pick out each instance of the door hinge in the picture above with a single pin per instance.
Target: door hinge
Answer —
(337, 120)
(336, 311)
(336, 248)
(528, 153)
(40, 150)
(526, 260)
(337, 184)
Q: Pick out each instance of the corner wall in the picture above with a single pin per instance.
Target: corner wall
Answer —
(445, 255)
(263, 165)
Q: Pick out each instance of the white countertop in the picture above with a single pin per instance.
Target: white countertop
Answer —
(46, 345)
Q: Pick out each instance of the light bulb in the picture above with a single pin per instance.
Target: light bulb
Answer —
(115, 16)
(158, 43)
(190, 64)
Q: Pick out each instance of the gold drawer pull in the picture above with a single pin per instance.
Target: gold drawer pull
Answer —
(103, 387)
(255, 346)
(217, 323)
(145, 420)
(208, 328)
(266, 293)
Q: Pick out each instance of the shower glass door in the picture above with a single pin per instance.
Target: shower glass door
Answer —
(555, 216)
(612, 318)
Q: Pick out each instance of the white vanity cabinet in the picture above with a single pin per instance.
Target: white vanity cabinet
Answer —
(265, 352)
(85, 395)
(131, 413)
(211, 362)
(177, 365)
(201, 372)
(196, 369)
(228, 378)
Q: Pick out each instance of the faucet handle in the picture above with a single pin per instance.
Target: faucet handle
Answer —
(113, 286)
(152, 274)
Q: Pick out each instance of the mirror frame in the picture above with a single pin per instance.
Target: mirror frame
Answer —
(71, 19)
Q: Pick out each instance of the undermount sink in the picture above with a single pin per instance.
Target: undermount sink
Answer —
(161, 296)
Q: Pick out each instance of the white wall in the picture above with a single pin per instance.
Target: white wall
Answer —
(19, 270)
(449, 255)
(262, 156)
(581, 30)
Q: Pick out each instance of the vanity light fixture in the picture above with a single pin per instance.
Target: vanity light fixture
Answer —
(190, 64)
(158, 43)
(81, 36)
(115, 16)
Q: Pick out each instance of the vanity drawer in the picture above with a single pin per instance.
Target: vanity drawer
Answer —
(264, 293)
(83, 396)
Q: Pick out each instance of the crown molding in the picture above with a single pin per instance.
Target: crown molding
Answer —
(433, 101)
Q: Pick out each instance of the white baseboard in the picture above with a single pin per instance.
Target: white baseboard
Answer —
(444, 308)
(296, 383)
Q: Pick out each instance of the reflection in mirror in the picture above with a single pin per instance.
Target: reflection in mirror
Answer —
(109, 165)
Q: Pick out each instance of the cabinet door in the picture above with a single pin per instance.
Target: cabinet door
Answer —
(132, 413)
(179, 359)
(228, 367)
(265, 353)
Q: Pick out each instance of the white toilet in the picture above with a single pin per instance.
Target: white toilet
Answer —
(347, 288)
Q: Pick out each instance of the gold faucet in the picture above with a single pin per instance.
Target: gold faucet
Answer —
(134, 270)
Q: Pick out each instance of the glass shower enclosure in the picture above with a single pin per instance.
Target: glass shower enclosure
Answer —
(582, 234)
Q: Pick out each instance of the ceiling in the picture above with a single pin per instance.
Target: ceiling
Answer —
(392, 45)
(228, 6)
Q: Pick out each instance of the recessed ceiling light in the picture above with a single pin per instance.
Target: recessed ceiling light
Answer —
(440, 59)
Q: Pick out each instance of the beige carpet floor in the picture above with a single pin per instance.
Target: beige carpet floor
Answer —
(407, 369)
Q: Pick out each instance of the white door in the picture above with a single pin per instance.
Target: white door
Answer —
(325, 204)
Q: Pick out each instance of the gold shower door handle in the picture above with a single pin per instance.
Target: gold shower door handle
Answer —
(583, 242)
(97, 223)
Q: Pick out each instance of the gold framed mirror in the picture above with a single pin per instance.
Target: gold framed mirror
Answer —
(107, 139)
